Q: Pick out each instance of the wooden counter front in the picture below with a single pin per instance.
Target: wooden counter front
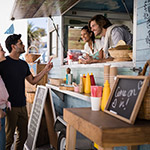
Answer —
(107, 131)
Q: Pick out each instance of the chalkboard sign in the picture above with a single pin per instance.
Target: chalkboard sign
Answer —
(126, 97)
(35, 117)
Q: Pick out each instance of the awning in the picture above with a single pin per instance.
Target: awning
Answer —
(40, 8)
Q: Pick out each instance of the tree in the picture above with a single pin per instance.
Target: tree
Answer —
(34, 34)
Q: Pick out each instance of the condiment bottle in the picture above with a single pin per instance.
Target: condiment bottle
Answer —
(92, 79)
(84, 80)
(105, 96)
(88, 84)
(81, 84)
(68, 76)
(69, 59)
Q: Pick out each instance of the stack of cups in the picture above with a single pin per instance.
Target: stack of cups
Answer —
(96, 95)
(106, 72)
(113, 74)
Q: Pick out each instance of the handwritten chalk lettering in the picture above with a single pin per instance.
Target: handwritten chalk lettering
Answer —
(121, 92)
(127, 101)
(35, 118)
(126, 97)
(31, 130)
(131, 92)
(40, 93)
(114, 103)
(123, 103)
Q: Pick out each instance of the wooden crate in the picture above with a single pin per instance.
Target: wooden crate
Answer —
(35, 69)
(29, 88)
(30, 96)
(56, 81)
(43, 81)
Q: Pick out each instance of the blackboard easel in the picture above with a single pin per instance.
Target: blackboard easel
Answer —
(35, 117)
(126, 97)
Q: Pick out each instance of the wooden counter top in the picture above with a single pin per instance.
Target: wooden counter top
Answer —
(106, 130)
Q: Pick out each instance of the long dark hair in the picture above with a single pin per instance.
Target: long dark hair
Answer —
(89, 31)
(101, 20)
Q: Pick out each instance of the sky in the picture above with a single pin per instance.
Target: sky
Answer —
(5, 22)
(39, 22)
(5, 12)
(5, 8)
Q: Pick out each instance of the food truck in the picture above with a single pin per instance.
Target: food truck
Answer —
(65, 20)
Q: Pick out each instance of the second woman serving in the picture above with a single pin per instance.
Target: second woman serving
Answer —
(92, 46)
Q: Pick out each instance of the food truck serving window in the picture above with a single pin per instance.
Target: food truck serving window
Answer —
(73, 15)
(118, 12)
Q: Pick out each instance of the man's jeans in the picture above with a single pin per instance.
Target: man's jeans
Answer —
(2, 134)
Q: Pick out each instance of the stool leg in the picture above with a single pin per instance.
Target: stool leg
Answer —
(133, 147)
(70, 138)
(108, 148)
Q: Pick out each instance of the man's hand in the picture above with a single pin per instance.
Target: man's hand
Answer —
(49, 65)
(35, 79)
(88, 60)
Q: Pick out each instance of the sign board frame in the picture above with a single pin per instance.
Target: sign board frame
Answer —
(35, 117)
(138, 102)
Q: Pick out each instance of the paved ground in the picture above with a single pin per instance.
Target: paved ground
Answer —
(81, 145)
(45, 147)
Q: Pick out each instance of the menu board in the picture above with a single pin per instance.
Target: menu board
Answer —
(35, 117)
(126, 97)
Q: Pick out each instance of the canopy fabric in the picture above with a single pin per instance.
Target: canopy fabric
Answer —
(40, 8)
